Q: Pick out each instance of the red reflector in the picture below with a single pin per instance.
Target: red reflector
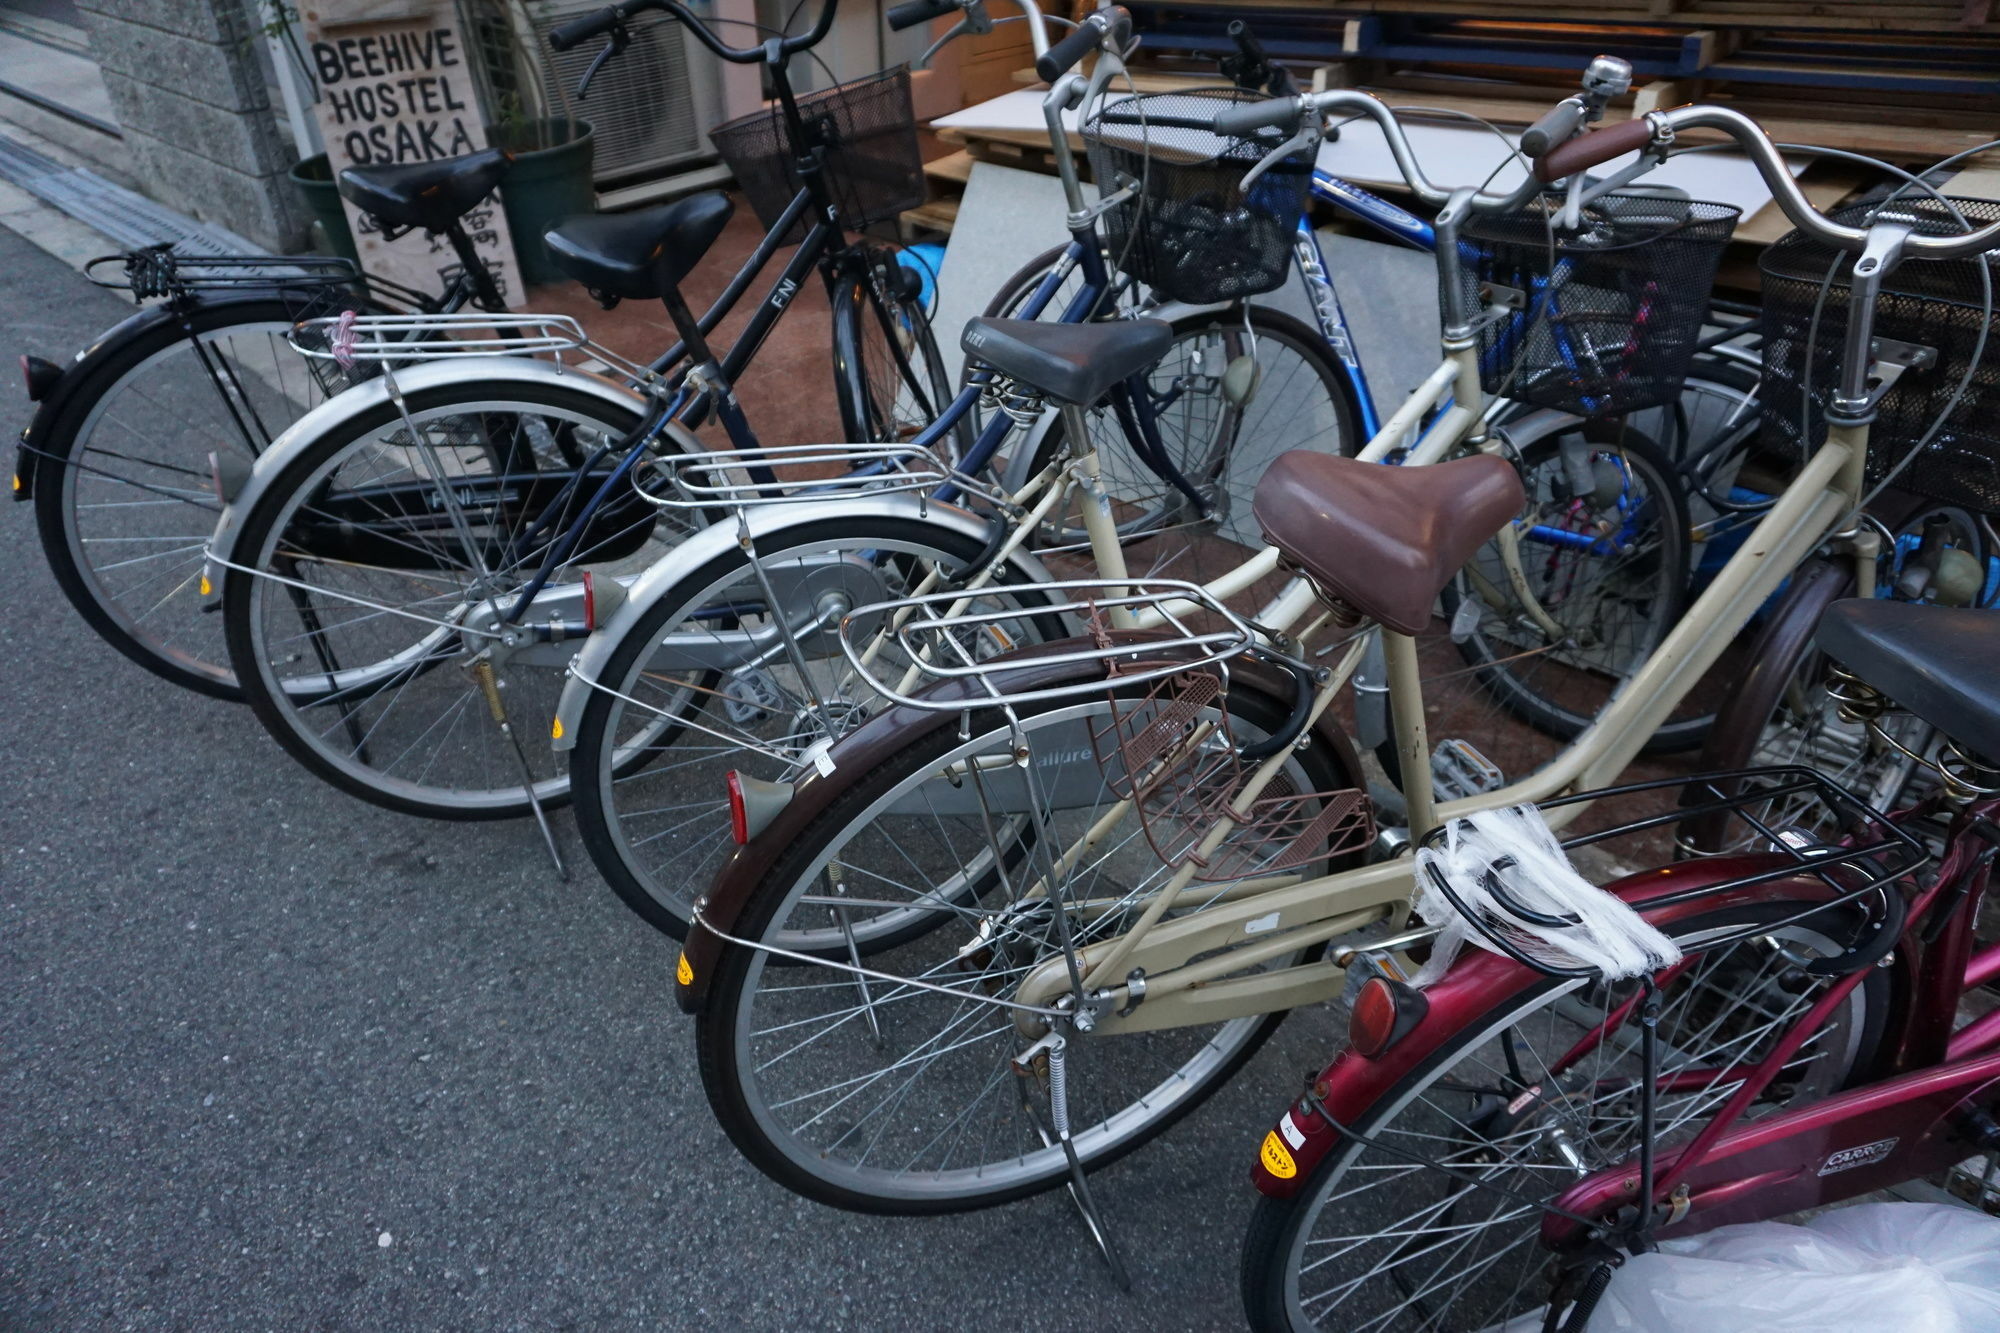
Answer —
(1383, 1014)
(590, 626)
(739, 821)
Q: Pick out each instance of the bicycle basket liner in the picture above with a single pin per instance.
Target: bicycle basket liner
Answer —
(869, 133)
(1611, 324)
(1935, 304)
(1195, 235)
(1170, 751)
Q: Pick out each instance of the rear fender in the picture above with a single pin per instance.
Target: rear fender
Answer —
(872, 744)
(77, 372)
(663, 581)
(335, 412)
(1477, 982)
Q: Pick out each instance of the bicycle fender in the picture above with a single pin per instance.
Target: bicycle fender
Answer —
(874, 743)
(663, 580)
(1348, 1086)
(77, 372)
(368, 397)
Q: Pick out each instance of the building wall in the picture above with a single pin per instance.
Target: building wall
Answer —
(184, 78)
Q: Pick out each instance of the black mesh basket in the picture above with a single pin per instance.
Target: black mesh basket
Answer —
(1614, 309)
(869, 136)
(1935, 304)
(1193, 234)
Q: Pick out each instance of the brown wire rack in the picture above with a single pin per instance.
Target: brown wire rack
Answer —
(1183, 773)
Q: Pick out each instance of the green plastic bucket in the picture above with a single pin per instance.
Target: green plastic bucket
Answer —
(544, 186)
(314, 181)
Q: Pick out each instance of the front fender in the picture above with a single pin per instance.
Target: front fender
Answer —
(872, 744)
(344, 407)
(1477, 981)
(663, 580)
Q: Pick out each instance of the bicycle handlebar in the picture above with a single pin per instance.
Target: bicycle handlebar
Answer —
(1660, 128)
(913, 12)
(1594, 148)
(1113, 24)
(1555, 127)
(565, 35)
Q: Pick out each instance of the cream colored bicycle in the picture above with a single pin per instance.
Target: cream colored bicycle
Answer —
(1026, 917)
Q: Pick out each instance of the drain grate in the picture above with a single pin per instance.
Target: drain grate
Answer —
(130, 219)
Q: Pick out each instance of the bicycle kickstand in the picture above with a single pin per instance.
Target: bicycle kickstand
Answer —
(482, 671)
(1053, 1048)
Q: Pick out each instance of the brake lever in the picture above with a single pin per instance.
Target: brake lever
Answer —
(1307, 138)
(621, 37)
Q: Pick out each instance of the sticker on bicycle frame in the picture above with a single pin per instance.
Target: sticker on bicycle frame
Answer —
(1269, 921)
(824, 763)
(1275, 1159)
(1866, 1155)
(684, 973)
(1293, 1134)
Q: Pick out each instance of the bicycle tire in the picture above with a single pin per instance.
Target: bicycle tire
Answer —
(1280, 1228)
(888, 392)
(662, 884)
(201, 665)
(730, 1073)
(282, 709)
(1496, 664)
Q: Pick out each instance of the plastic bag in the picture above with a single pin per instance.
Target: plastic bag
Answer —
(1874, 1267)
(1512, 849)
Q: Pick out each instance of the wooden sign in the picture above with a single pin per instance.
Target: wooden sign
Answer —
(398, 90)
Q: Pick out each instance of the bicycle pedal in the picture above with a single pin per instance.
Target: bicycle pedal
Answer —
(1458, 770)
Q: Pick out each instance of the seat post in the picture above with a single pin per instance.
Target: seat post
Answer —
(692, 340)
(484, 289)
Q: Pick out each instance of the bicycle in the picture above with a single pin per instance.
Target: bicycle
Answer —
(406, 735)
(651, 835)
(1526, 1122)
(117, 456)
(1118, 927)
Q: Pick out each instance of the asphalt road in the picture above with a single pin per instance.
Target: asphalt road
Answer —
(273, 1058)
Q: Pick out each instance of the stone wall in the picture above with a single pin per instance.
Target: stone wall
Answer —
(185, 80)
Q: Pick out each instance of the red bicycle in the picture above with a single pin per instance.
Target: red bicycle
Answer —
(1487, 1150)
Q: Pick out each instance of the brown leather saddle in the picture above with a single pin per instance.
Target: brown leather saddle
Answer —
(1384, 540)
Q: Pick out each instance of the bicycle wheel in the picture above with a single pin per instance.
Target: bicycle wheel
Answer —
(901, 1099)
(886, 363)
(123, 497)
(1526, 1099)
(1603, 546)
(1782, 713)
(702, 684)
(366, 635)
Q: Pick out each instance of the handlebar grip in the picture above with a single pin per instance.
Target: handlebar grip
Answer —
(1246, 42)
(912, 12)
(1247, 118)
(1593, 149)
(1555, 127)
(1080, 42)
(565, 35)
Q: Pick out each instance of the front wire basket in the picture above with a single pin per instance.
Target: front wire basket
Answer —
(1876, 854)
(1189, 230)
(1935, 304)
(1184, 775)
(1614, 313)
(866, 131)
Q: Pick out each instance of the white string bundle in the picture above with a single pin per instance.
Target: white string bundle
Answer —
(1516, 847)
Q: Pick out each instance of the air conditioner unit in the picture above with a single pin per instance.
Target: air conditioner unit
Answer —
(650, 107)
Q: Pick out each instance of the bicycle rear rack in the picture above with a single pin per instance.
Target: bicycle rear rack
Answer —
(159, 271)
(724, 478)
(943, 634)
(1875, 856)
